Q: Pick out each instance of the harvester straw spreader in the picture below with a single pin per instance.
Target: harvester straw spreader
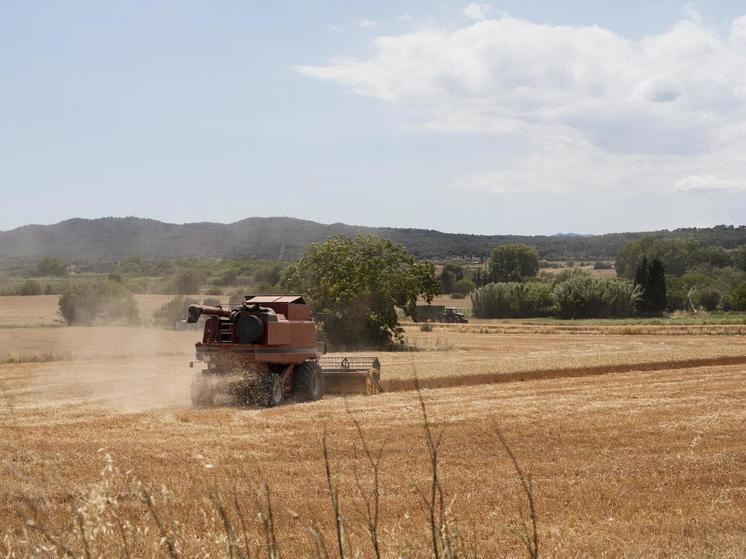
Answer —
(265, 350)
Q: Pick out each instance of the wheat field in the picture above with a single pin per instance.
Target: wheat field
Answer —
(634, 445)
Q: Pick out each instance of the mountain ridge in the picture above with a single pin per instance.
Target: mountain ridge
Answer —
(114, 238)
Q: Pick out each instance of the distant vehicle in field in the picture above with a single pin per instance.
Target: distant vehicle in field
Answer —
(454, 314)
(440, 313)
(264, 350)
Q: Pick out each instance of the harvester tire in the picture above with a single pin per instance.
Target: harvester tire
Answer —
(308, 381)
(270, 393)
(201, 392)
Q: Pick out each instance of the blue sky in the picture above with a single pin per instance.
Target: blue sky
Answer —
(498, 117)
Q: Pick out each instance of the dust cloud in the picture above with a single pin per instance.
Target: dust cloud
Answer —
(118, 369)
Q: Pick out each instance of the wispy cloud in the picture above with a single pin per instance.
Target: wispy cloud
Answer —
(368, 23)
(709, 184)
(477, 11)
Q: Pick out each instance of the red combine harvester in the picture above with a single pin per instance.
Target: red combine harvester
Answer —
(265, 350)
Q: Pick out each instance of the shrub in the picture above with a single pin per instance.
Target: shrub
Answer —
(599, 265)
(426, 327)
(512, 300)
(213, 290)
(583, 297)
(30, 287)
(84, 303)
(172, 312)
(187, 281)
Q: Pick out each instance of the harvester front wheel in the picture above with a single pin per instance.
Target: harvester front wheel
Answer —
(271, 391)
(308, 381)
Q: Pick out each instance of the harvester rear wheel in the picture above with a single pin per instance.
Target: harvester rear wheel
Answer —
(270, 392)
(308, 381)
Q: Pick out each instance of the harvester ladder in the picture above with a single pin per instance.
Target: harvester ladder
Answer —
(225, 330)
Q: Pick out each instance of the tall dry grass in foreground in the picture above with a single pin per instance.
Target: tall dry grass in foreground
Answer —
(120, 515)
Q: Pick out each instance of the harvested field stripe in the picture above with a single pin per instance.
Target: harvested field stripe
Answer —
(600, 330)
(403, 385)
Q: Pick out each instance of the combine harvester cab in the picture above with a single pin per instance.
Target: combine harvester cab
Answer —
(264, 351)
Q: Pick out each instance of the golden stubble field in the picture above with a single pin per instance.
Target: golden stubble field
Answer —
(648, 461)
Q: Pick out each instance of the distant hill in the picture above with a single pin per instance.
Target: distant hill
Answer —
(110, 239)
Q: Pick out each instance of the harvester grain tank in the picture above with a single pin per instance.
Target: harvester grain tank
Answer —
(264, 351)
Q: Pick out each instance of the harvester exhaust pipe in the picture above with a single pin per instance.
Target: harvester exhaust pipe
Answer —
(196, 310)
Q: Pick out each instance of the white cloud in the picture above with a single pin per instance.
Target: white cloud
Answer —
(709, 183)
(368, 23)
(692, 13)
(595, 109)
(404, 18)
(477, 11)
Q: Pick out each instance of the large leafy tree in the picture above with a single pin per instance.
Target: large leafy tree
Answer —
(354, 287)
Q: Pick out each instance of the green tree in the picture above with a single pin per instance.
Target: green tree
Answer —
(269, 274)
(354, 287)
(51, 267)
(739, 258)
(676, 254)
(513, 263)
(738, 298)
(651, 279)
(450, 275)
(655, 290)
